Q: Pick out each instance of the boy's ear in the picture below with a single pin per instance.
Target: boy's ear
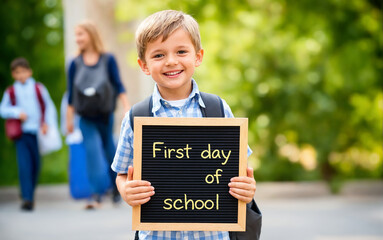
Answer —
(199, 57)
(143, 66)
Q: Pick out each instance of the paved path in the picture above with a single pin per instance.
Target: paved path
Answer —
(296, 211)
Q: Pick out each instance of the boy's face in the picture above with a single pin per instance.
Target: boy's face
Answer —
(171, 64)
(21, 74)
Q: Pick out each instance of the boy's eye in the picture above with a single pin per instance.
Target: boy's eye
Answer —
(158, 56)
(182, 52)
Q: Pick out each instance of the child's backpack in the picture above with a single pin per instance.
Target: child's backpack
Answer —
(13, 126)
(93, 92)
(213, 107)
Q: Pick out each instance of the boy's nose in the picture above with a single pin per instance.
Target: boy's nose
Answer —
(171, 61)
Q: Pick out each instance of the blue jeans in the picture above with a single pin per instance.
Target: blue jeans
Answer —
(28, 163)
(99, 145)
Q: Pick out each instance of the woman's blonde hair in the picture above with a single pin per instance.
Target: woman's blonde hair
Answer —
(164, 23)
(94, 35)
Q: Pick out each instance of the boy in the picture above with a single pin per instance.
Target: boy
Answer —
(28, 110)
(169, 49)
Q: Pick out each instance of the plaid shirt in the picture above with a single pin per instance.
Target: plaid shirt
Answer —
(124, 155)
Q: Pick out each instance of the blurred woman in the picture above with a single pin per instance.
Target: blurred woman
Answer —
(94, 85)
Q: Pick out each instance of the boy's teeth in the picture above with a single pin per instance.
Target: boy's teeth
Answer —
(172, 73)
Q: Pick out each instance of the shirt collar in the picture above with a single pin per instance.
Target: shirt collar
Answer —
(157, 98)
(28, 82)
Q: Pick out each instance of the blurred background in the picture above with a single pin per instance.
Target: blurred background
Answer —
(307, 74)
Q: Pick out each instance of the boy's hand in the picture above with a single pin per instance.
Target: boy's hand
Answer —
(243, 188)
(134, 192)
(23, 116)
(44, 128)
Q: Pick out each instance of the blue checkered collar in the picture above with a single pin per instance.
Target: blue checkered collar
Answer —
(158, 100)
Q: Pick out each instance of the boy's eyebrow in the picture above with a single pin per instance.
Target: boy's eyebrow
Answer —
(183, 46)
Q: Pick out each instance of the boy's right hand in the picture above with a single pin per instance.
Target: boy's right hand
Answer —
(23, 116)
(134, 192)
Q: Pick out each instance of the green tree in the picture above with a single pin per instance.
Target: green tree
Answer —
(307, 74)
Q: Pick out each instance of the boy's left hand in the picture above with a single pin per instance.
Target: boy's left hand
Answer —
(44, 128)
(243, 188)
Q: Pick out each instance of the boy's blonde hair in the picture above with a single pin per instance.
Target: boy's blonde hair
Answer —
(163, 24)
(94, 35)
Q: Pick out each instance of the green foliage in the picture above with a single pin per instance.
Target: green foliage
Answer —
(54, 166)
(307, 74)
(32, 29)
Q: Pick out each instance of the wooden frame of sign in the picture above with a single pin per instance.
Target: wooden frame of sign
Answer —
(190, 161)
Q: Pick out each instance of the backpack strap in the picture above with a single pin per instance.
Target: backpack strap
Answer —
(77, 61)
(12, 96)
(141, 109)
(213, 105)
(104, 58)
(41, 101)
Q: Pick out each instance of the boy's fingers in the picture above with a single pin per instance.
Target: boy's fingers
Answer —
(130, 174)
(140, 189)
(137, 183)
(250, 172)
(242, 179)
(142, 195)
(242, 192)
(139, 202)
(242, 185)
(239, 197)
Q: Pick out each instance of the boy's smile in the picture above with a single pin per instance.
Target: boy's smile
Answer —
(171, 64)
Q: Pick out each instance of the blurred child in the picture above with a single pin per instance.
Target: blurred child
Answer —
(26, 100)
